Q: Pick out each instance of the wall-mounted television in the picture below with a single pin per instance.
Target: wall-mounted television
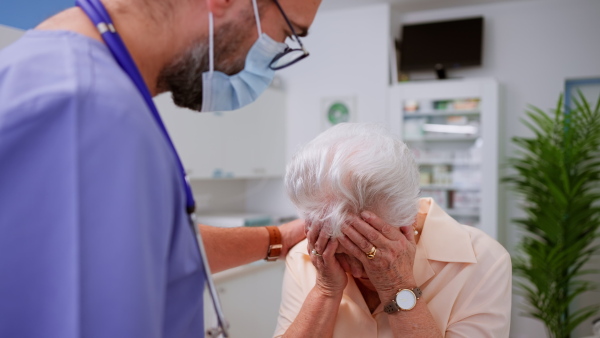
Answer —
(444, 44)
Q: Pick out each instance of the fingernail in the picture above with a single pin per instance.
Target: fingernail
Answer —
(365, 215)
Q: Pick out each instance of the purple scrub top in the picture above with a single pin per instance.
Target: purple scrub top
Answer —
(94, 238)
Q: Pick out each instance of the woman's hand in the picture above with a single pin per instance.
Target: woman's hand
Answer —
(318, 314)
(331, 278)
(392, 267)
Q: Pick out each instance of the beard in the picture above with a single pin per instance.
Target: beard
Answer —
(183, 76)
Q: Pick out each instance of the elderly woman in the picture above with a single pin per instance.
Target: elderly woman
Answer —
(380, 261)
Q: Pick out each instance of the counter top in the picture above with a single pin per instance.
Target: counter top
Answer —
(253, 267)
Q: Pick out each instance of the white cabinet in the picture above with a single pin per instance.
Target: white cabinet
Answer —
(452, 128)
(250, 296)
(246, 143)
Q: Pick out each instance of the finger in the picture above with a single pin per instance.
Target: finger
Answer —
(317, 260)
(350, 232)
(351, 248)
(343, 262)
(409, 233)
(363, 235)
(321, 242)
(313, 234)
(382, 226)
(314, 259)
(331, 248)
(306, 227)
(371, 234)
(329, 252)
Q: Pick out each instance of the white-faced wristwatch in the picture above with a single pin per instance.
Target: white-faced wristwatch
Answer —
(405, 300)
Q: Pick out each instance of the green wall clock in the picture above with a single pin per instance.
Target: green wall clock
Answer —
(338, 110)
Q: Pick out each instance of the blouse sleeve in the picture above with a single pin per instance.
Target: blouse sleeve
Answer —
(487, 313)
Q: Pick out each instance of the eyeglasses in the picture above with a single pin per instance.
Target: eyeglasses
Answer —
(290, 55)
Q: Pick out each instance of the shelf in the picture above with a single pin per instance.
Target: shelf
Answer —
(447, 187)
(242, 270)
(432, 133)
(446, 162)
(463, 212)
(441, 113)
(442, 138)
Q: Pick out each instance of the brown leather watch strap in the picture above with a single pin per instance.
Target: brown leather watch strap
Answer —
(275, 246)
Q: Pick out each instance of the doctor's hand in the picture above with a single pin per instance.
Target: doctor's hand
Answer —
(331, 278)
(391, 268)
(291, 233)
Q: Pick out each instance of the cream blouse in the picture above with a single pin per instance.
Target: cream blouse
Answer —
(464, 274)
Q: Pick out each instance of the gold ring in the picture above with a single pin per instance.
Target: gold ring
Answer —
(314, 252)
(371, 254)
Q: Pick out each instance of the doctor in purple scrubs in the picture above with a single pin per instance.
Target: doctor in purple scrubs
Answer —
(95, 238)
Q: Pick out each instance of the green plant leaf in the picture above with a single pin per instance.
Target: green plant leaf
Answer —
(557, 172)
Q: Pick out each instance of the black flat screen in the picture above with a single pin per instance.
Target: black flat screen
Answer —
(455, 43)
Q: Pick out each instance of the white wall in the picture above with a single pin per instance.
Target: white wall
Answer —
(349, 57)
(531, 48)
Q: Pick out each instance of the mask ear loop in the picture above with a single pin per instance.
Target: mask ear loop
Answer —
(206, 82)
(257, 18)
(211, 44)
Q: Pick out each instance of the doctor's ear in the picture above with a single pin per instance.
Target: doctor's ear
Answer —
(219, 7)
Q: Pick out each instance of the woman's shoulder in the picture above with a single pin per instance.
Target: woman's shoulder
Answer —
(484, 246)
(299, 266)
(299, 249)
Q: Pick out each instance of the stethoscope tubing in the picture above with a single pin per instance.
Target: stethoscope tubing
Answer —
(98, 14)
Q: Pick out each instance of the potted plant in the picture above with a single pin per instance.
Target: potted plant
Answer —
(557, 172)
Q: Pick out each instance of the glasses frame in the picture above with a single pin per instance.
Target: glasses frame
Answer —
(288, 50)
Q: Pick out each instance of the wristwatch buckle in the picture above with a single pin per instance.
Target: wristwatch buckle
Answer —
(274, 248)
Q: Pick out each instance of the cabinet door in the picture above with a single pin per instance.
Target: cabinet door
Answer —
(246, 143)
(272, 141)
(254, 144)
(198, 137)
(465, 164)
(250, 296)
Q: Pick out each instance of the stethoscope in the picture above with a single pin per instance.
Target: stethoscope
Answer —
(96, 11)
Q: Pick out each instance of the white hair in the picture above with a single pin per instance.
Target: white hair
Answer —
(350, 168)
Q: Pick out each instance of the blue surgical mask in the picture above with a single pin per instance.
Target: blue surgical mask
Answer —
(222, 92)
